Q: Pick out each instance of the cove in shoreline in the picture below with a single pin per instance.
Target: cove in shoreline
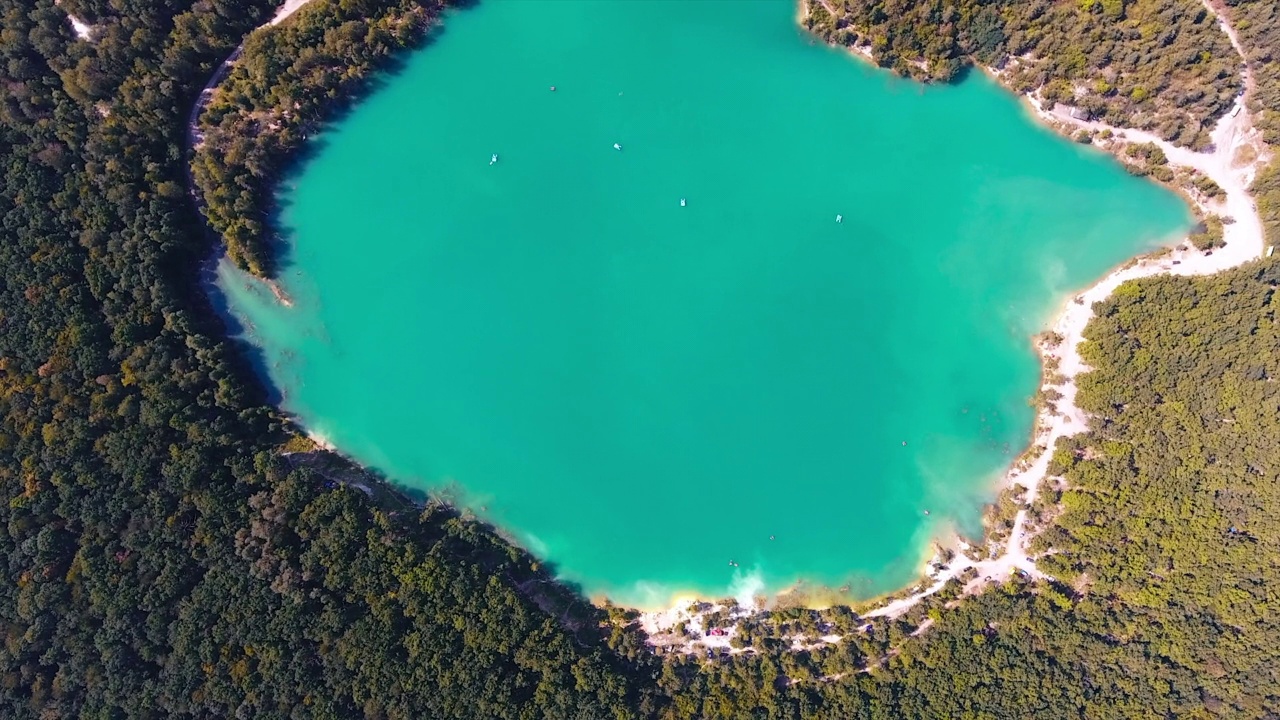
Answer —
(726, 396)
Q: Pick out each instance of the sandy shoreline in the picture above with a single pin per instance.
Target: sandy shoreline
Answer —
(1058, 346)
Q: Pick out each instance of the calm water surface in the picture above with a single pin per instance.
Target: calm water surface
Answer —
(642, 391)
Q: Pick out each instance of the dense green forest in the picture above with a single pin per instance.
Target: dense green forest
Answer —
(162, 558)
(1159, 65)
(1164, 541)
(286, 83)
(166, 557)
(1257, 23)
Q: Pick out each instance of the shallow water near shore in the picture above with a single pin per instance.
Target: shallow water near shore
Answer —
(668, 368)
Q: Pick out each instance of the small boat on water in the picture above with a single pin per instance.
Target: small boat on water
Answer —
(616, 146)
(839, 218)
(493, 158)
(681, 202)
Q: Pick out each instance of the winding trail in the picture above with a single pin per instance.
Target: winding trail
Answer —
(194, 136)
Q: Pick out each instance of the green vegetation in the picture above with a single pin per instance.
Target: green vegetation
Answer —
(1147, 159)
(1164, 542)
(161, 558)
(1158, 65)
(1208, 234)
(1257, 24)
(287, 82)
(172, 550)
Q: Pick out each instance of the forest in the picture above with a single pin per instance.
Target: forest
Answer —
(173, 550)
(1257, 22)
(284, 86)
(1158, 65)
(1163, 547)
(163, 557)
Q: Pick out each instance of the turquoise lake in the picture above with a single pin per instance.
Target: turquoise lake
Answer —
(643, 392)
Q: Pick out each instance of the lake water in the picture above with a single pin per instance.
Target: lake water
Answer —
(644, 391)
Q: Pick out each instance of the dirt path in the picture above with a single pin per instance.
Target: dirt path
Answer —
(1244, 241)
(1249, 82)
(1233, 137)
(1013, 558)
(83, 30)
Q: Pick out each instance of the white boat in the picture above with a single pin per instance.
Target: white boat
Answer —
(616, 146)
(839, 218)
(493, 158)
(681, 202)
